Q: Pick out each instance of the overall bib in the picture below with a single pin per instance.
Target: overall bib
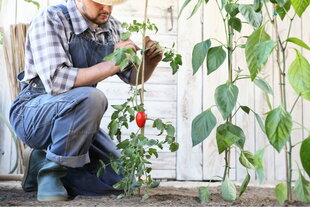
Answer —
(35, 114)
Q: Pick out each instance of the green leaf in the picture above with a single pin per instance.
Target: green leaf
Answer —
(262, 52)
(254, 39)
(263, 84)
(300, 6)
(258, 4)
(281, 193)
(281, 2)
(260, 122)
(170, 130)
(235, 23)
(298, 42)
(305, 155)
(175, 63)
(302, 188)
(37, 4)
(145, 197)
(125, 35)
(158, 123)
(204, 195)
(154, 184)
(282, 11)
(245, 109)
(224, 2)
(278, 127)
(232, 9)
(174, 147)
(299, 76)
(247, 159)
(183, 6)
(197, 6)
(199, 54)
(216, 57)
(109, 57)
(254, 18)
(228, 134)
(202, 126)
(244, 184)
(226, 98)
(228, 189)
(258, 163)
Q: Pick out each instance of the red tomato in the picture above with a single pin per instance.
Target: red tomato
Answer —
(141, 119)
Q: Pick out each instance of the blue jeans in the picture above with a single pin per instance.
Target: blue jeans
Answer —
(65, 124)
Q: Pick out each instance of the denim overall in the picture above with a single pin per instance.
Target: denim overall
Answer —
(67, 125)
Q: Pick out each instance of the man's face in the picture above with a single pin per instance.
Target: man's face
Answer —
(94, 12)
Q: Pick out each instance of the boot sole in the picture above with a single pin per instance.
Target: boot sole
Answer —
(26, 160)
(53, 198)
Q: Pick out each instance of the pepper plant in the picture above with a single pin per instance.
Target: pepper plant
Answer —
(279, 120)
(137, 149)
(214, 52)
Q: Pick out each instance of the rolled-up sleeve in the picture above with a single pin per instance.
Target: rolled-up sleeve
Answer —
(49, 48)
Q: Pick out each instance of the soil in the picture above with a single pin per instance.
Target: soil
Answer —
(13, 195)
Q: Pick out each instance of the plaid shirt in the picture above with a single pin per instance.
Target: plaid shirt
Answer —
(47, 49)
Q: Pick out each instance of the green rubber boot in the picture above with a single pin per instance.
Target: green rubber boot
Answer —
(50, 187)
(33, 161)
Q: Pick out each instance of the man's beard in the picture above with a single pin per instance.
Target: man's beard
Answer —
(95, 20)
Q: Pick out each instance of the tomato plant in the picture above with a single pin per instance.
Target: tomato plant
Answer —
(137, 149)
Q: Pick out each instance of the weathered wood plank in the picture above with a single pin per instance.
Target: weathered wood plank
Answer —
(213, 163)
(189, 159)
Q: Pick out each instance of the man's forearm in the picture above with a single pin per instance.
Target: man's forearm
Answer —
(96, 73)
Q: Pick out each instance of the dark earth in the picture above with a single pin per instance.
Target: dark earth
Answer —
(11, 194)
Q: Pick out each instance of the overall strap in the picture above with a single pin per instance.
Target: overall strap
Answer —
(65, 11)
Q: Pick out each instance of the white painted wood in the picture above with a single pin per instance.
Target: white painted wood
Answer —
(189, 101)
(213, 163)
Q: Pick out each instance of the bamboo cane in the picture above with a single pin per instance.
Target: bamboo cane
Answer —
(14, 55)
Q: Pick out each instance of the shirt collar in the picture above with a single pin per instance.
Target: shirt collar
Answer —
(79, 24)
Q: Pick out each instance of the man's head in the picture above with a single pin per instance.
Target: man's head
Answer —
(96, 11)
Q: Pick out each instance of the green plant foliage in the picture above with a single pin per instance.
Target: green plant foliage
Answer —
(298, 42)
(299, 76)
(254, 18)
(305, 155)
(204, 194)
(258, 4)
(197, 6)
(235, 23)
(228, 134)
(262, 51)
(199, 54)
(232, 9)
(226, 98)
(253, 58)
(228, 190)
(216, 57)
(202, 126)
(282, 10)
(247, 159)
(258, 163)
(183, 6)
(263, 84)
(300, 6)
(302, 188)
(244, 184)
(278, 127)
(281, 192)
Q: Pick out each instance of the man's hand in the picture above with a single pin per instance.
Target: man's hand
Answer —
(127, 44)
(153, 53)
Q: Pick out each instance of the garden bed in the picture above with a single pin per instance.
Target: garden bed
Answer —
(12, 195)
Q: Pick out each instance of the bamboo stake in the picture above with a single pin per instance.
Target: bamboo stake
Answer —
(14, 55)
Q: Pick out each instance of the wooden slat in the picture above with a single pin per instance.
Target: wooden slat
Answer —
(117, 91)
(213, 163)
(189, 160)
